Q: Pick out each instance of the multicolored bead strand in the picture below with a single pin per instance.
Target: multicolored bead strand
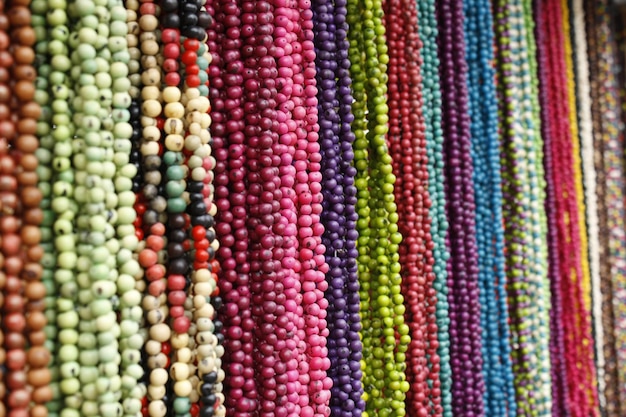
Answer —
(607, 125)
(499, 391)
(529, 333)
(431, 109)
(382, 304)
(407, 146)
(579, 398)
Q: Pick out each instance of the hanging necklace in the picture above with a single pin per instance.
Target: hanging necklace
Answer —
(581, 74)
(610, 184)
(408, 146)
(431, 108)
(490, 236)
(465, 343)
(529, 320)
(227, 132)
(382, 308)
(338, 214)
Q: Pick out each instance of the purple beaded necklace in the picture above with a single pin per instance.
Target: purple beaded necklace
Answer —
(339, 214)
(465, 332)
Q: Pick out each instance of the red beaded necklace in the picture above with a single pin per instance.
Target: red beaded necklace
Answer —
(407, 145)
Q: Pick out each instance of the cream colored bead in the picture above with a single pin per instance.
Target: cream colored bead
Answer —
(194, 162)
(179, 371)
(160, 332)
(192, 142)
(148, 22)
(191, 93)
(174, 143)
(174, 110)
(171, 94)
(158, 377)
(205, 351)
(151, 108)
(199, 301)
(205, 338)
(204, 324)
(182, 388)
(151, 77)
(157, 409)
(206, 365)
(150, 302)
(153, 347)
(150, 93)
(173, 126)
(205, 120)
(179, 340)
(202, 275)
(151, 133)
(194, 128)
(205, 137)
(156, 392)
(184, 355)
(204, 288)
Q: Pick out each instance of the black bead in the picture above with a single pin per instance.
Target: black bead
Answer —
(196, 208)
(220, 338)
(210, 235)
(189, 20)
(217, 302)
(175, 250)
(171, 21)
(204, 20)
(178, 266)
(207, 411)
(208, 399)
(169, 5)
(200, 220)
(194, 32)
(206, 389)
(195, 186)
(219, 326)
(176, 221)
(196, 197)
(210, 377)
(189, 7)
(177, 235)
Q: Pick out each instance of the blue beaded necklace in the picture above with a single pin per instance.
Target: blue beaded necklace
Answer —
(427, 23)
(499, 396)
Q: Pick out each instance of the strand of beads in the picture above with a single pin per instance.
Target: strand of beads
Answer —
(201, 211)
(176, 174)
(583, 99)
(465, 340)
(557, 349)
(528, 319)
(578, 346)
(44, 173)
(408, 147)
(605, 99)
(338, 214)
(63, 207)
(382, 304)
(24, 146)
(431, 108)
(310, 229)
(499, 394)
(226, 76)
(152, 257)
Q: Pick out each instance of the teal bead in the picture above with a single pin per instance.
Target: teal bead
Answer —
(176, 205)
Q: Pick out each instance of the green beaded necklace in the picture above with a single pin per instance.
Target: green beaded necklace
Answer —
(439, 224)
(45, 173)
(382, 305)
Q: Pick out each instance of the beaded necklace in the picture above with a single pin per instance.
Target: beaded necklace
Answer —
(338, 214)
(610, 175)
(581, 74)
(408, 147)
(488, 193)
(529, 320)
(45, 170)
(573, 319)
(152, 258)
(465, 343)
(382, 309)
(431, 108)
(227, 72)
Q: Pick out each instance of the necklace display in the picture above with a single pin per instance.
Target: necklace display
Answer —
(339, 206)
(408, 149)
(294, 208)
(497, 369)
